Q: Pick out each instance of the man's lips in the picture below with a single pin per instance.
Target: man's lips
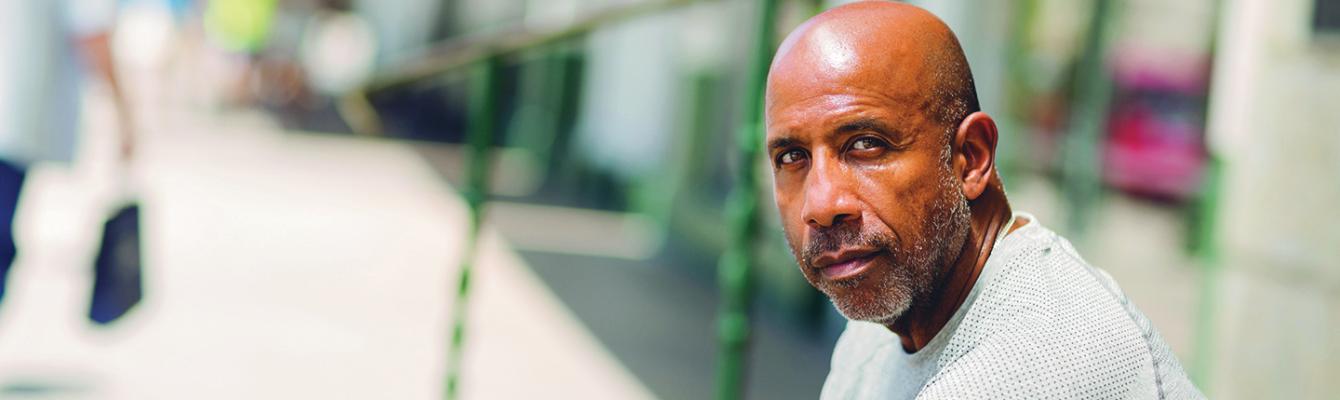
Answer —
(844, 264)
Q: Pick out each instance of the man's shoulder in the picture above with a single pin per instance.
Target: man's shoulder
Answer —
(1035, 358)
(1043, 293)
(1028, 361)
(1048, 323)
(1041, 277)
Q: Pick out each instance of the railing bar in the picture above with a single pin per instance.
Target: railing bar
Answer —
(467, 51)
(483, 103)
(734, 269)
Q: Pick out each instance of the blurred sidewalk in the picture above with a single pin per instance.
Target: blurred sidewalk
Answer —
(279, 265)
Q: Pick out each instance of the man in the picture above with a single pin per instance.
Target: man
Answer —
(884, 174)
(41, 45)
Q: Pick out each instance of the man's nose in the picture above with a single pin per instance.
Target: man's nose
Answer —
(828, 202)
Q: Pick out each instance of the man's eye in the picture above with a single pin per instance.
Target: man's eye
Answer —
(866, 144)
(791, 157)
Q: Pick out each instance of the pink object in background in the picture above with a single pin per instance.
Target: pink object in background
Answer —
(1155, 144)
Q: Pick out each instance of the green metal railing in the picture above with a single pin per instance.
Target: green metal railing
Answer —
(1204, 243)
(482, 118)
(454, 55)
(1088, 119)
(486, 56)
(735, 272)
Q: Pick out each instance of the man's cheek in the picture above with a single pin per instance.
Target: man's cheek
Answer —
(796, 242)
(792, 223)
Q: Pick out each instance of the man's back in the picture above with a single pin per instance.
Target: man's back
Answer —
(1039, 323)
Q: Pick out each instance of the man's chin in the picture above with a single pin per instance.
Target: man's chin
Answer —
(880, 310)
(874, 296)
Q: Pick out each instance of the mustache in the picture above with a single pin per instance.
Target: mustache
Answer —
(835, 238)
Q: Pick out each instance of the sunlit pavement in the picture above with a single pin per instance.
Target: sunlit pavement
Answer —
(279, 265)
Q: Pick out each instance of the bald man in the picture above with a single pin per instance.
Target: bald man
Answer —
(884, 175)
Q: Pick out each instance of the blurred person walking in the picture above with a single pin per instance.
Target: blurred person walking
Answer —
(45, 45)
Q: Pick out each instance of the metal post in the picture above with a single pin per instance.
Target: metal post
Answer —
(1082, 145)
(1206, 251)
(1019, 96)
(483, 104)
(734, 268)
(1205, 245)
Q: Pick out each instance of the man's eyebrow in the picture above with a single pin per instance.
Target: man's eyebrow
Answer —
(781, 142)
(863, 124)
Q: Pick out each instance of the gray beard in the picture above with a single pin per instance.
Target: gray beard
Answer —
(913, 275)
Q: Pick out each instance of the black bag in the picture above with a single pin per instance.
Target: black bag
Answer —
(117, 285)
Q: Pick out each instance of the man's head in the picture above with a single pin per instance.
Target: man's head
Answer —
(878, 148)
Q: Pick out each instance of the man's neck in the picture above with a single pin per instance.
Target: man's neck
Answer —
(916, 328)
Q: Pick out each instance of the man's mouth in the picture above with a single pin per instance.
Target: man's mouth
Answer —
(846, 264)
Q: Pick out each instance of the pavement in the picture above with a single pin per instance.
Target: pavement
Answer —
(278, 265)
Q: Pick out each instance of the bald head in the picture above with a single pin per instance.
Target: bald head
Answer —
(899, 50)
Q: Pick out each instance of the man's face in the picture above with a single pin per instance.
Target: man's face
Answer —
(868, 198)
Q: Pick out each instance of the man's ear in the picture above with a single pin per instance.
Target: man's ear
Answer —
(975, 142)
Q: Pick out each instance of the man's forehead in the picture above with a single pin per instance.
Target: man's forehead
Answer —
(878, 51)
(822, 45)
(819, 87)
(853, 47)
(838, 74)
(834, 52)
(829, 114)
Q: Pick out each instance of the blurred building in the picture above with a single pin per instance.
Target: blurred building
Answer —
(1275, 121)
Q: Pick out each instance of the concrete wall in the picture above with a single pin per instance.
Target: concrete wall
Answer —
(1275, 121)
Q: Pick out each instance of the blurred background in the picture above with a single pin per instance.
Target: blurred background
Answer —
(308, 174)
